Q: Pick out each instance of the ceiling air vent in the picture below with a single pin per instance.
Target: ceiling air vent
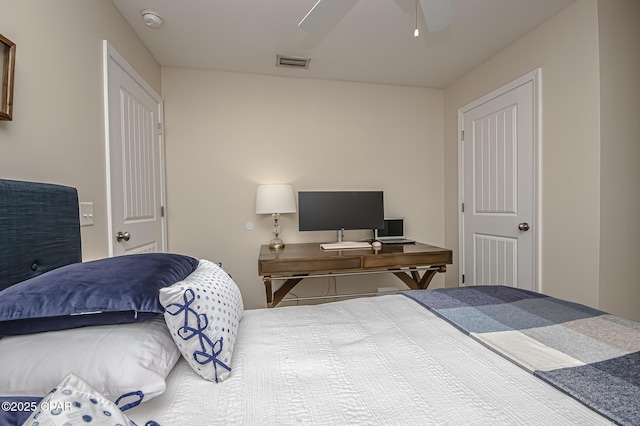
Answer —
(292, 61)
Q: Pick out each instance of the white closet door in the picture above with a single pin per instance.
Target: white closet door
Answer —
(498, 157)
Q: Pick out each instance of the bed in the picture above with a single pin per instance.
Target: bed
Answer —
(190, 353)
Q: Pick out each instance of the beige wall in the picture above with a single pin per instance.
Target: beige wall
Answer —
(57, 133)
(228, 132)
(619, 24)
(566, 50)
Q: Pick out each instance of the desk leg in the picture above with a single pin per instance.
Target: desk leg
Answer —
(273, 298)
(269, 291)
(287, 286)
(414, 282)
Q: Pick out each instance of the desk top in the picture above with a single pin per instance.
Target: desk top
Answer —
(309, 258)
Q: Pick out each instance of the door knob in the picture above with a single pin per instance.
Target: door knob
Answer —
(123, 236)
(524, 226)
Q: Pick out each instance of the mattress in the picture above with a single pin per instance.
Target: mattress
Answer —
(371, 361)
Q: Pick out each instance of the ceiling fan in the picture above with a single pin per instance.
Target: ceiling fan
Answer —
(438, 14)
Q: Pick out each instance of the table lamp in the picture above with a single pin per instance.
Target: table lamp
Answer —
(274, 200)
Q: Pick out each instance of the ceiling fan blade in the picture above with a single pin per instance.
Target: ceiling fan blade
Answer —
(319, 14)
(438, 14)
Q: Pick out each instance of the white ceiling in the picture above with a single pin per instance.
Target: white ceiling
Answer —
(372, 42)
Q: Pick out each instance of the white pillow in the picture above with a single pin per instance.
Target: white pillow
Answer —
(127, 363)
(203, 312)
(74, 402)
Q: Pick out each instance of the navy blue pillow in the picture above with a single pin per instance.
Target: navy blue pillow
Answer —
(115, 290)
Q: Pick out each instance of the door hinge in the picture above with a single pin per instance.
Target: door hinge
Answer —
(160, 128)
(462, 207)
(462, 135)
(161, 211)
(462, 278)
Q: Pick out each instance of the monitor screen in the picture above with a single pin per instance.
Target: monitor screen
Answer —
(334, 210)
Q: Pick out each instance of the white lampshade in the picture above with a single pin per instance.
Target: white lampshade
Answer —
(278, 198)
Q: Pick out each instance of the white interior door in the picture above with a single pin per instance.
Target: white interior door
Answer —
(135, 161)
(498, 194)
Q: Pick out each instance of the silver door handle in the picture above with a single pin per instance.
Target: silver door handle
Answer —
(524, 226)
(123, 236)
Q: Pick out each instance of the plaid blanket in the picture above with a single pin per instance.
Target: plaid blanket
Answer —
(584, 352)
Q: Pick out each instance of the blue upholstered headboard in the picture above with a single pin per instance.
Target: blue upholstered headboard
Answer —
(39, 229)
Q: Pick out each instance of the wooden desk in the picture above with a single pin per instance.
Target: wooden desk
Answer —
(295, 262)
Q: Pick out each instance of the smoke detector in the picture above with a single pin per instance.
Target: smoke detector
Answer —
(152, 19)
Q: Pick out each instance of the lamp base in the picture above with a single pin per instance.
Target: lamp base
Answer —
(276, 244)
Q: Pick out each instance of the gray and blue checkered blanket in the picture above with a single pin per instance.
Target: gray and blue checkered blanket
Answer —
(589, 354)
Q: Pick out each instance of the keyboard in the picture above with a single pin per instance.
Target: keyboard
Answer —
(345, 245)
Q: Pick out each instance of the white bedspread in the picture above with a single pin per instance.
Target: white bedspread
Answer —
(374, 361)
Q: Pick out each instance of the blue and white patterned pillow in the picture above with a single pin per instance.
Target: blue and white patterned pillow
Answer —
(203, 312)
(74, 402)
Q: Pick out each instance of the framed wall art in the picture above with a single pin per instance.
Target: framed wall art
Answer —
(7, 68)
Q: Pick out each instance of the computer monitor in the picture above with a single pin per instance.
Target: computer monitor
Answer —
(339, 210)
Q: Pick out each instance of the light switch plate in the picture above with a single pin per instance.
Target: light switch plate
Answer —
(86, 214)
